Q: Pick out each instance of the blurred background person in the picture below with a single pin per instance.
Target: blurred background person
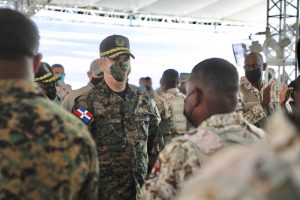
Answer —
(170, 104)
(62, 88)
(47, 81)
(95, 75)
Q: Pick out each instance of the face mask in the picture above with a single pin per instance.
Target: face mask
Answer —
(120, 70)
(62, 78)
(95, 81)
(254, 75)
(186, 114)
(142, 86)
(51, 92)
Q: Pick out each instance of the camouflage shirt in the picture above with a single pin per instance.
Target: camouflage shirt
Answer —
(124, 131)
(171, 105)
(183, 155)
(250, 99)
(46, 153)
(268, 170)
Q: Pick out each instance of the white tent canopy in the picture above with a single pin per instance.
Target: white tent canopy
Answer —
(247, 11)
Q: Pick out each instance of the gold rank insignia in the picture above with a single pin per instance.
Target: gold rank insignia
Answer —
(120, 42)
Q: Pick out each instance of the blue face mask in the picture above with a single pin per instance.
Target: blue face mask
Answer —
(62, 78)
(142, 86)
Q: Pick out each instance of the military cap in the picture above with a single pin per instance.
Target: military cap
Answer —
(45, 74)
(115, 45)
(94, 67)
(183, 77)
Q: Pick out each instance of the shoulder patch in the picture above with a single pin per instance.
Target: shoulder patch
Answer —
(83, 114)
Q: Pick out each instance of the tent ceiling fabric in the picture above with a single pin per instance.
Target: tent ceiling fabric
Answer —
(248, 11)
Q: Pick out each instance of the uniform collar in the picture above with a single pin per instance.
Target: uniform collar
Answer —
(221, 121)
(172, 90)
(17, 87)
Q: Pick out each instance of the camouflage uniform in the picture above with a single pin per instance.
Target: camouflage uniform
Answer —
(183, 155)
(123, 130)
(170, 105)
(270, 169)
(249, 104)
(46, 153)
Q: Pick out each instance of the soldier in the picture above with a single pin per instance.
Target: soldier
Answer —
(123, 122)
(268, 170)
(95, 75)
(45, 152)
(47, 81)
(170, 104)
(259, 99)
(183, 77)
(209, 105)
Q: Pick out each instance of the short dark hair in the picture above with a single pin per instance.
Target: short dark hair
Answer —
(170, 78)
(19, 35)
(217, 73)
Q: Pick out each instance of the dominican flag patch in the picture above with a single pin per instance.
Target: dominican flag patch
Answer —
(84, 114)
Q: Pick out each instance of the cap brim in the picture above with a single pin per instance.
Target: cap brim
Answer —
(51, 79)
(113, 56)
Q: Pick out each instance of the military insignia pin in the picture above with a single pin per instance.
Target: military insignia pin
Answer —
(120, 41)
(84, 114)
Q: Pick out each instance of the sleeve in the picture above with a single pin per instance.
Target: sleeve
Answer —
(252, 114)
(83, 110)
(155, 138)
(68, 102)
(175, 164)
(89, 190)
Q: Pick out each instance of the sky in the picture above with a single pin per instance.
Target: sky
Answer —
(75, 45)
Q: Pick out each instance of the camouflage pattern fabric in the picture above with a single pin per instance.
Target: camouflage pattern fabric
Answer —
(249, 104)
(184, 155)
(46, 153)
(171, 106)
(125, 130)
(270, 169)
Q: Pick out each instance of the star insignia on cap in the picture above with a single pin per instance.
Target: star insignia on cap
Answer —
(120, 42)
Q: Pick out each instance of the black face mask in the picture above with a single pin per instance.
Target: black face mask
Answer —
(254, 75)
(51, 92)
(95, 81)
(188, 115)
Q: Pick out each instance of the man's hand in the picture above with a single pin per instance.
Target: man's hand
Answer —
(284, 94)
(266, 96)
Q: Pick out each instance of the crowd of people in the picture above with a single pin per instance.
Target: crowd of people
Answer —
(207, 134)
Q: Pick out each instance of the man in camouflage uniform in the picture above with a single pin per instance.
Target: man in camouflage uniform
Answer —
(268, 170)
(45, 78)
(45, 152)
(123, 122)
(210, 103)
(258, 99)
(170, 104)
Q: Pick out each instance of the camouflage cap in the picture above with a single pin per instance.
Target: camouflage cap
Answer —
(115, 45)
(183, 77)
(94, 67)
(45, 74)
